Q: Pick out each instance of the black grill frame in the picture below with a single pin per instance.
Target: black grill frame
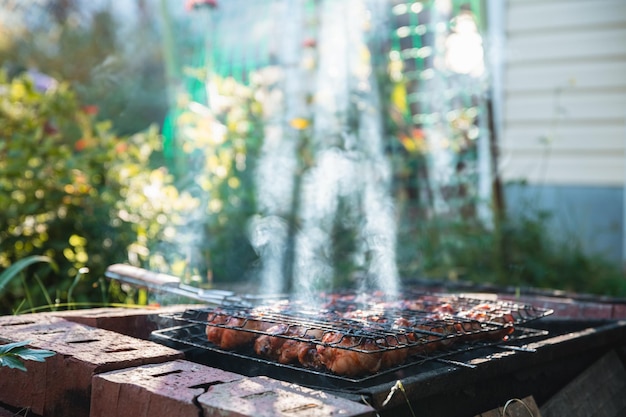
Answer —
(369, 322)
(191, 339)
(190, 336)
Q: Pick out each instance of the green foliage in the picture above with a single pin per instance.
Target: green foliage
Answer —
(518, 252)
(68, 187)
(12, 355)
(109, 62)
(76, 193)
(532, 256)
(18, 268)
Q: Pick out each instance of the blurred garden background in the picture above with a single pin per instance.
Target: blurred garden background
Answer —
(193, 138)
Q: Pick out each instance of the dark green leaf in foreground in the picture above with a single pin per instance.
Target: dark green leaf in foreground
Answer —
(12, 355)
(12, 362)
(22, 264)
(9, 347)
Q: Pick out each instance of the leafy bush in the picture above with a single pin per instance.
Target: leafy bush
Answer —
(67, 186)
(75, 192)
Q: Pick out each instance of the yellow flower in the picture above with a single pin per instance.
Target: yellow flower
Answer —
(299, 123)
(18, 91)
(399, 99)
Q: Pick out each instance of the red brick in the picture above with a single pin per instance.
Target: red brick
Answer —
(265, 397)
(24, 389)
(62, 384)
(159, 390)
(18, 388)
(619, 311)
(589, 310)
(565, 310)
(562, 307)
(11, 323)
(133, 322)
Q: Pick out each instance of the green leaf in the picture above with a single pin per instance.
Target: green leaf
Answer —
(12, 362)
(12, 355)
(12, 346)
(19, 266)
(37, 355)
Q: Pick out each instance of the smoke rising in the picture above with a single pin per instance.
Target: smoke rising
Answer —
(333, 171)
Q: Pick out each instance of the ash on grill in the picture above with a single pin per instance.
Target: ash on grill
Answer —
(353, 336)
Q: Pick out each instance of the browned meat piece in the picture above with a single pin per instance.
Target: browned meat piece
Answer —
(236, 333)
(271, 346)
(397, 356)
(403, 338)
(432, 337)
(308, 356)
(348, 362)
(487, 313)
(286, 349)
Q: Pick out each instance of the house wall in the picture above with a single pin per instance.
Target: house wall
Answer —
(590, 217)
(563, 116)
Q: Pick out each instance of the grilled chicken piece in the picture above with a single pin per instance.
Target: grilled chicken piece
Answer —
(235, 333)
(279, 344)
(396, 356)
(349, 362)
(387, 351)
(399, 342)
(308, 356)
(487, 313)
(271, 346)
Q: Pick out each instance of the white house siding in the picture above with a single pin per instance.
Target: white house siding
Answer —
(564, 118)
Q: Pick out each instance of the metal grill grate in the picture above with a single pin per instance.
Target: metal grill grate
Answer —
(422, 323)
(191, 338)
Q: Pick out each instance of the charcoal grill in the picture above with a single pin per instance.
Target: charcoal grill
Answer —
(541, 356)
(447, 339)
